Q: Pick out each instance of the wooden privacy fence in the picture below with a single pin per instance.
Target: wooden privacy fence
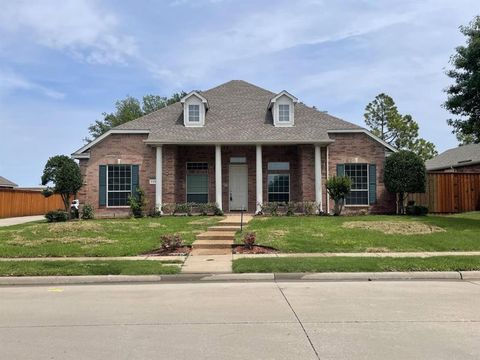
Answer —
(450, 193)
(27, 202)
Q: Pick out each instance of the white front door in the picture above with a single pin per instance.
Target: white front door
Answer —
(238, 186)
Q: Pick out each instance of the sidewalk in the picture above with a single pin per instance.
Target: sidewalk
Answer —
(20, 220)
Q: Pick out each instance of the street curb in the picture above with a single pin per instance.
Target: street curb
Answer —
(247, 277)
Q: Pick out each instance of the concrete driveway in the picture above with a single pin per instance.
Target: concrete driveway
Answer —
(20, 220)
(292, 320)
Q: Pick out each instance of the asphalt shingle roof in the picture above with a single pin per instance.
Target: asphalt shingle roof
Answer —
(6, 183)
(461, 156)
(238, 112)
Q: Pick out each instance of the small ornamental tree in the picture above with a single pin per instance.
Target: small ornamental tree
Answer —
(338, 187)
(404, 173)
(62, 176)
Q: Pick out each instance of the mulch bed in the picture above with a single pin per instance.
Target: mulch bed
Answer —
(184, 250)
(256, 249)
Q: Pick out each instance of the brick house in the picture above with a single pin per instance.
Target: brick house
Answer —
(237, 145)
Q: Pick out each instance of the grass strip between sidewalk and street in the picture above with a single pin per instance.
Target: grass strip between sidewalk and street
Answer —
(91, 267)
(355, 264)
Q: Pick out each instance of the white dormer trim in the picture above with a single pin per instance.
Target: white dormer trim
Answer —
(191, 101)
(278, 103)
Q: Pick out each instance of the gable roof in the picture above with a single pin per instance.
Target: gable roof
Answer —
(238, 113)
(6, 183)
(461, 156)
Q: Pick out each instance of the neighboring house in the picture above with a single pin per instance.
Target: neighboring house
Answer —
(6, 184)
(463, 159)
(237, 145)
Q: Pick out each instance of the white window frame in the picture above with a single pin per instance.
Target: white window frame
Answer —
(131, 190)
(277, 166)
(268, 187)
(190, 113)
(200, 173)
(368, 186)
(282, 113)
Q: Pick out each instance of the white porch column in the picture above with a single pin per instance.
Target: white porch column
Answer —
(327, 176)
(158, 178)
(259, 179)
(218, 176)
(318, 177)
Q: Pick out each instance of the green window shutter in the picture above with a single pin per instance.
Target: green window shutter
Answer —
(135, 181)
(340, 169)
(372, 183)
(102, 185)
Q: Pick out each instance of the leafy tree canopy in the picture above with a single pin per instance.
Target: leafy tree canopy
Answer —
(404, 173)
(129, 109)
(62, 176)
(463, 97)
(400, 131)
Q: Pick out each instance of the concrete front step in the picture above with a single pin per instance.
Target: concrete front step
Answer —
(205, 244)
(211, 251)
(216, 235)
(224, 228)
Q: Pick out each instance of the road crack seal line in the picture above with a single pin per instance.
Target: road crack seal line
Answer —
(298, 320)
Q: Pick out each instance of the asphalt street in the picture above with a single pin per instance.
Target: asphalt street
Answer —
(251, 320)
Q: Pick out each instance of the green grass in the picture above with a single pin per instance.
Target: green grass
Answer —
(96, 267)
(356, 264)
(119, 237)
(461, 232)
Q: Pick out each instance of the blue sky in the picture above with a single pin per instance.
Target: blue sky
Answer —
(63, 63)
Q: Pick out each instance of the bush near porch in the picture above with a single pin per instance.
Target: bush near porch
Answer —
(371, 233)
(119, 237)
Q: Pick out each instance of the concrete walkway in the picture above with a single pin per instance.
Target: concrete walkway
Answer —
(212, 251)
(364, 254)
(20, 220)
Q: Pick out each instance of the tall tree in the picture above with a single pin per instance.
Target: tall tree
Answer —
(62, 176)
(129, 109)
(401, 131)
(463, 97)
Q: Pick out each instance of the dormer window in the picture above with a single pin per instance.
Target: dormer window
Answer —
(194, 113)
(282, 106)
(194, 109)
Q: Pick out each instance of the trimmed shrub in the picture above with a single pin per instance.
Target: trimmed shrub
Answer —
(270, 208)
(168, 209)
(290, 208)
(183, 208)
(416, 210)
(170, 242)
(249, 240)
(308, 208)
(338, 187)
(87, 212)
(138, 203)
(56, 216)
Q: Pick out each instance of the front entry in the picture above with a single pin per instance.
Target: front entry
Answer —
(238, 187)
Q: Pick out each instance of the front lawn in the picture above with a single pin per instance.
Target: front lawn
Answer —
(119, 237)
(355, 264)
(95, 267)
(373, 233)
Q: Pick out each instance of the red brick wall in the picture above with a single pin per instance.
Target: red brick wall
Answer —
(130, 149)
(115, 149)
(361, 148)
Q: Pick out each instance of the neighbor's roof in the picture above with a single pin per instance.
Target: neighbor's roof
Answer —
(238, 112)
(461, 156)
(6, 183)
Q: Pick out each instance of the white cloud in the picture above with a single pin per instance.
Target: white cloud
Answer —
(80, 28)
(11, 81)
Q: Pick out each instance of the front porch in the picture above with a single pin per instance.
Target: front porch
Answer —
(240, 177)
